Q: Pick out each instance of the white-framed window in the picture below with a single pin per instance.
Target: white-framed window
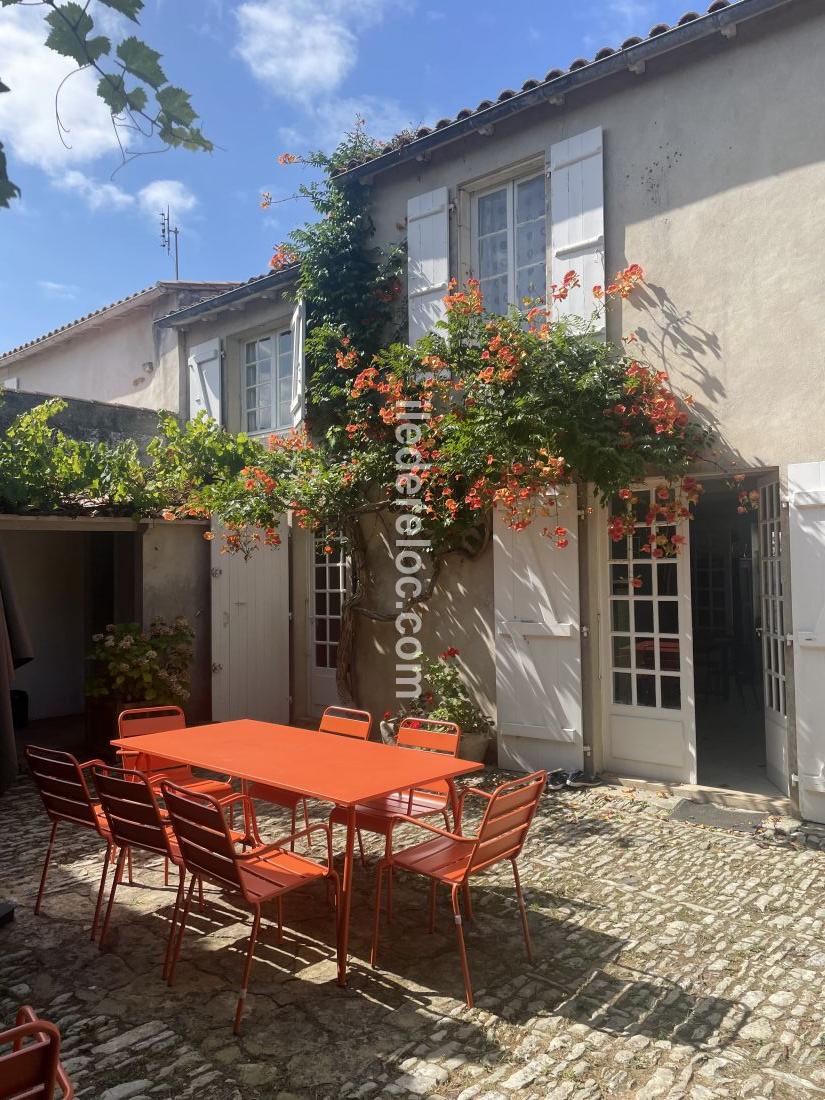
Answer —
(510, 241)
(267, 391)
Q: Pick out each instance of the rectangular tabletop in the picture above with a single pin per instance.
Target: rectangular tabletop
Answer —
(320, 765)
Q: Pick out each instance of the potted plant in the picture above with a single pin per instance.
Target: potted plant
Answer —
(445, 696)
(130, 667)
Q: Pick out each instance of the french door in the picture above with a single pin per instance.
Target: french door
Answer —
(646, 650)
(772, 632)
(328, 584)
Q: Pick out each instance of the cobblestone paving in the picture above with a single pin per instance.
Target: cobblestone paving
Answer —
(672, 960)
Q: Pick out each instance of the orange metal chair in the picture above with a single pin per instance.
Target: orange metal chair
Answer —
(144, 720)
(342, 721)
(136, 820)
(266, 873)
(61, 781)
(31, 1070)
(430, 735)
(451, 858)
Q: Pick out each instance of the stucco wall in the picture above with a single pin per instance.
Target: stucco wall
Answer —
(176, 582)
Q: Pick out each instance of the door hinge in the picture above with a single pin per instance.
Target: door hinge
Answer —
(585, 631)
(217, 668)
(216, 572)
(794, 779)
(789, 639)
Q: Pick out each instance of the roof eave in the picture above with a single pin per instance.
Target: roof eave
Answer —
(705, 26)
(231, 299)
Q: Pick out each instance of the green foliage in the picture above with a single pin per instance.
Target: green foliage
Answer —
(446, 697)
(130, 665)
(71, 34)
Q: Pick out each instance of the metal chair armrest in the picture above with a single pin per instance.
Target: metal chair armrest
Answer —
(90, 763)
(278, 845)
(465, 793)
(405, 819)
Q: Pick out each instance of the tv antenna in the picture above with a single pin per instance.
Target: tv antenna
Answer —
(168, 234)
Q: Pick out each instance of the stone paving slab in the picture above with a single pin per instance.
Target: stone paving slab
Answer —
(673, 960)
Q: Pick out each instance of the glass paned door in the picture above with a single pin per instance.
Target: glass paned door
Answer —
(329, 581)
(646, 648)
(772, 631)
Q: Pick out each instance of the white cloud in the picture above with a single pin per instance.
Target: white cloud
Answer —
(65, 291)
(96, 195)
(27, 112)
(301, 49)
(334, 117)
(160, 194)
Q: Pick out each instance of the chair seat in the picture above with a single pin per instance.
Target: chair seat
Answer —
(218, 788)
(439, 858)
(375, 816)
(277, 873)
(278, 795)
(102, 823)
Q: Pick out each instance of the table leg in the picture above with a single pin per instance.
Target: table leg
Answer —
(454, 805)
(346, 898)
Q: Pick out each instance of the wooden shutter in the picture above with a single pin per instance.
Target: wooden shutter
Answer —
(205, 380)
(428, 260)
(298, 364)
(806, 523)
(577, 219)
(538, 646)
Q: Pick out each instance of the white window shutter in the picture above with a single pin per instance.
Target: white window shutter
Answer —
(428, 260)
(806, 522)
(205, 379)
(577, 219)
(298, 363)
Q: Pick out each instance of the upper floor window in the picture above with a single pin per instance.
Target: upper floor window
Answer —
(511, 248)
(268, 383)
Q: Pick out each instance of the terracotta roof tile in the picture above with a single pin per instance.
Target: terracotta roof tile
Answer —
(554, 74)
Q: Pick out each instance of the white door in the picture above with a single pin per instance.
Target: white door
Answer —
(205, 380)
(806, 527)
(646, 653)
(250, 634)
(538, 645)
(772, 631)
(328, 579)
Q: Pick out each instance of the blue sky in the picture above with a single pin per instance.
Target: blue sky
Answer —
(265, 76)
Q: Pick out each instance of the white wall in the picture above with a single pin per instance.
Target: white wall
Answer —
(48, 571)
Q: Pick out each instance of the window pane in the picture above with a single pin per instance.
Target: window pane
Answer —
(284, 416)
(320, 630)
(643, 616)
(334, 629)
(251, 374)
(264, 369)
(530, 199)
(264, 420)
(530, 244)
(320, 604)
(646, 691)
(669, 655)
(621, 652)
(619, 580)
(645, 653)
(492, 255)
(285, 344)
(668, 617)
(495, 294)
(643, 580)
(671, 693)
(530, 283)
(250, 352)
(252, 421)
(666, 572)
(621, 615)
(622, 688)
(492, 212)
(321, 656)
(264, 396)
(264, 348)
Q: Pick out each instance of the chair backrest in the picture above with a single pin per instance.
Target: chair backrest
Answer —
(506, 820)
(431, 735)
(62, 786)
(131, 809)
(346, 722)
(202, 833)
(31, 1068)
(144, 720)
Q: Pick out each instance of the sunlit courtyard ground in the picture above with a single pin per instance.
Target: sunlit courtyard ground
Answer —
(673, 959)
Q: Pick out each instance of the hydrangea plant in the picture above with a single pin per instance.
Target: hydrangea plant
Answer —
(141, 666)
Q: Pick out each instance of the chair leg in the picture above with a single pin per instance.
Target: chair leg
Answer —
(306, 825)
(129, 859)
(459, 931)
(390, 878)
(46, 861)
(121, 859)
(173, 963)
(253, 935)
(377, 916)
(166, 870)
(171, 940)
(524, 925)
(361, 848)
(293, 827)
(101, 890)
(433, 888)
(468, 904)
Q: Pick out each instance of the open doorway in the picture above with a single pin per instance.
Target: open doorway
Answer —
(738, 663)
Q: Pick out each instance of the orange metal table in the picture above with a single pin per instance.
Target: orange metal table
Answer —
(317, 765)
